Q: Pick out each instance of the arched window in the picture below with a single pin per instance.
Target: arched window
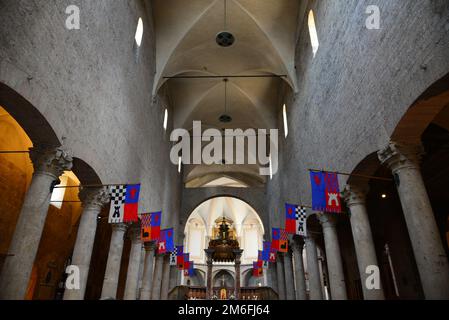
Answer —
(165, 119)
(284, 113)
(139, 32)
(313, 33)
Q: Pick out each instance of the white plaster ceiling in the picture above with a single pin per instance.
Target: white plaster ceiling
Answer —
(237, 210)
(265, 32)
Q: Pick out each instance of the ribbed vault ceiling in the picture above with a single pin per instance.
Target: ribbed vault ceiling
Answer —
(265, 32)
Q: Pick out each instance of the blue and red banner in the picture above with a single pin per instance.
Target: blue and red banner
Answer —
(151, 226)
(166, 243)
(325, 192)
(124, 203)
(290, 218)
(266, 251)
(180, 257)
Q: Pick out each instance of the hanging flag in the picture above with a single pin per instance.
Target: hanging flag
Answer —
(173, 257)
(275, 237)
(301, 222)
(166, 243)
(295, 219)
(283, 241)
(273, 252)
(257, 269)
(186, 261)
(124, 203)
(191, 269)
(290, 221)
(151, 226)
(180, 257)
(266, 251)
(260, 255)
(325, 192)
(186, 267)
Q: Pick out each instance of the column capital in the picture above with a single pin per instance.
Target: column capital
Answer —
(150, 246)
(238, 255)
(119, 227)
(94, 197)
(327, 220)
(297, 244)
(355, 194)
(134, 232)
(209, 255)
(398, 156)
(51, 160)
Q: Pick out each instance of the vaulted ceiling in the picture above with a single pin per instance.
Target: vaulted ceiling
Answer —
(265, 33)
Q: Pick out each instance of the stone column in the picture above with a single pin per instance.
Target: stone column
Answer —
(313, 270)
(147, 278)
(363, 239)
(288, 274)
(111, 276)
(157, 278)
(429, 253)
(209, 261)
(92, 201)
(49, 164)
(333, 256)
(280, 276)
(165, 277)
(238, 262)
(300, 280)
(132, 276)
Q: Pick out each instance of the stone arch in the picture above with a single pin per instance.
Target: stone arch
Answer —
(85, 173)
(248, 280)
(422, 112)
(229, 278)
(254, 197)
(29, 118)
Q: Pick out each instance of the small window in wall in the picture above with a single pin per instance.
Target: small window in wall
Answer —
(313, 33)
(179, 164)
(139, 32)
(271, 168)
(284, 113)
(165, 119)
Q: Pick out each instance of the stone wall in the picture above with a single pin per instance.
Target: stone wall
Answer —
(91, 85)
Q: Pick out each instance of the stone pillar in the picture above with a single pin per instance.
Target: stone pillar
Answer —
(92, 201)
(280, 276)
(147, 278)
(363, 239)
(333, 256)
(165, 277)
(429, 253)
(238, 262)
(132, 276)
(49, 164)
(209, 261)
(300, 280)
(157, 278)
(313, 270)
(110, 282)
(288, 274)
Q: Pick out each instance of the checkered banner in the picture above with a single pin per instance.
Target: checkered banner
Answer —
(117, 212)
(295, 219)
(173, 257)
(301, 219)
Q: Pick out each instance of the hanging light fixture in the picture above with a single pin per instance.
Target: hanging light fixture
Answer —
(225, 118)
(225, 38)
